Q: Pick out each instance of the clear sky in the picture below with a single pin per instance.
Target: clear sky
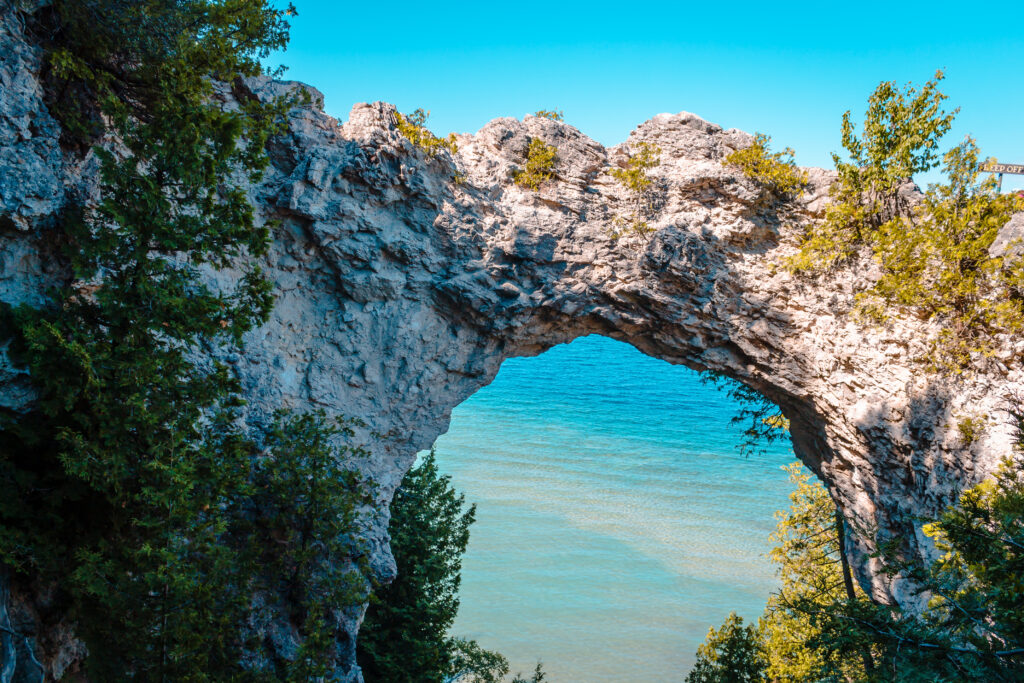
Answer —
(786, 69)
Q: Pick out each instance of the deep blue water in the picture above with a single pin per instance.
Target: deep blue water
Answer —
(616, 518)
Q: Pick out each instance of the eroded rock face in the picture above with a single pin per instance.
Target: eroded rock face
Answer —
(401, 290)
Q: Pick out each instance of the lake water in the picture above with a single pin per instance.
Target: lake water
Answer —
(617, 520)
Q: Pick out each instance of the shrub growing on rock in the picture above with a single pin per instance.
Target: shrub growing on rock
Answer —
(414, 127)
(635, 177)
(539, 167)
(901, 134)
(554, 115)
(777, 172)
(934, 255)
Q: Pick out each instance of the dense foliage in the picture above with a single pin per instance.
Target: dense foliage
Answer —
(539, 167)
(809, 554)
(300, 536)
(937, 263)
(776, 172)
(820, 627)
(934, 254)
(553, 114)
(972, 628)
(635, 177)
(901, 134)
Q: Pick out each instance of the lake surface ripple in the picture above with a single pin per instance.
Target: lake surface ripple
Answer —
(617, 520)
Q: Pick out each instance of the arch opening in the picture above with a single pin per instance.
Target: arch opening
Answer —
(617, 519)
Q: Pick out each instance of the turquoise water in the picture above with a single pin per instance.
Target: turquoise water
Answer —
(616, 518)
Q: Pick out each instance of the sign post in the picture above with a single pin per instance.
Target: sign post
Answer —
(993, 167)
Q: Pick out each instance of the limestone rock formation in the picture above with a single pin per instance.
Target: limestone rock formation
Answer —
(401, 287)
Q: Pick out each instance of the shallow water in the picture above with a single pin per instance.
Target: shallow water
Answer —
(616, 518)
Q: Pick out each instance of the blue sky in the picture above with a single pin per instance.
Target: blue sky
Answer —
(789, 70)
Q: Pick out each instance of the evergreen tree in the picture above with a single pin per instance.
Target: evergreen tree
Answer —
(731, 654)
(303, 537)
(404, 638)
(132, 461)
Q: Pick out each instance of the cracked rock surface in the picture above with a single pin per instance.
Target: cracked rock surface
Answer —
(404, 281)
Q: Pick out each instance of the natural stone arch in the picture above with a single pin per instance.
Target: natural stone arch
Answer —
(424, 285)
(410, 289)
(400, 292)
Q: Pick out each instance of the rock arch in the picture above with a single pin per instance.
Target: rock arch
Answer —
(403, 282)
(403, 290)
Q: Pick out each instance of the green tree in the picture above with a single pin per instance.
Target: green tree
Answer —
(819, 627)
(937, 263)
(972, 628)
(302, 543)
(934, 256)
(404, 638)
(731, 654)
(473, 664)
(538, 676)
(900, 137)
(810, 557)
(762, 421)
(138, 446)
(636, 178)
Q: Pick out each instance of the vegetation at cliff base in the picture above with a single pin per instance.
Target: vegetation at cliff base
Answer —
(820, 627)
(301, 536)
(733, 653)
(405, 635)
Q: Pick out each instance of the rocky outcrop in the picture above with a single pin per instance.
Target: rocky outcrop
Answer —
(404, 281)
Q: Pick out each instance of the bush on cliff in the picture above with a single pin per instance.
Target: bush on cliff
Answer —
(414, 127)
(539, 167)
(553, 114)
(933, 256)
(901, 134)
(637, 181)
(777, 172)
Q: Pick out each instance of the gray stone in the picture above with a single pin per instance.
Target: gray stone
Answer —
(1009, 241)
